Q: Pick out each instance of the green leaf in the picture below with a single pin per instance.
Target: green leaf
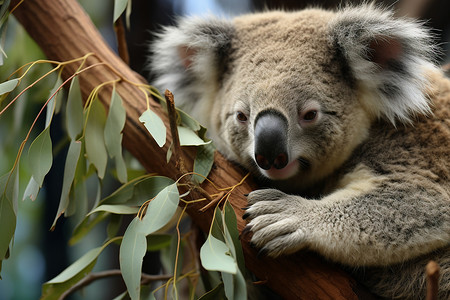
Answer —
(94, 137)
(133, 193)
(119, 8)
(215, 255)
(134, 245)
(155, 126)
(74, 110)
(8, 86)
(31, 190)
(188, 121)
(132, 251)
(149, 188)
(190, 138)
(161, 209)
(54, 102)
(73, 154)
(51, 105)
(156, 242)
(40, 156)
(203, 162)
(9, 185)
(50, 111)
(216, 293)
(54, 288)
(137, 191)
(86, 226)
(235, 286)
(113, 134)
(115, 222)
(116, 209)
(232, 235)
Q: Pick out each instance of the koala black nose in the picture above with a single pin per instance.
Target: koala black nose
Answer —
(271, 140)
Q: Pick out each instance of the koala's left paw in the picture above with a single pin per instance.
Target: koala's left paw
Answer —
(277, 221)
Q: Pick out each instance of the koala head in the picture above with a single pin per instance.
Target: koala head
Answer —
(291, 94)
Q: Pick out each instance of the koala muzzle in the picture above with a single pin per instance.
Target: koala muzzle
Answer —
(271, 140)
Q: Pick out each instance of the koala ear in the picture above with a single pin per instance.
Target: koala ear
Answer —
(387, 57)
(189, 58)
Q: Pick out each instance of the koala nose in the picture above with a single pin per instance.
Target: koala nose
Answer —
(271, 140)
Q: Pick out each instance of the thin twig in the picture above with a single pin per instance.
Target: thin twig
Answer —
(213, 202)
(145, 279)
(119, 29)
(173, 129)
(432, 270)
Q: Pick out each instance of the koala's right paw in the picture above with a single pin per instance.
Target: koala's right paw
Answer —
(277, 222)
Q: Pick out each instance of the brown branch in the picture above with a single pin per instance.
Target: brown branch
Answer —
(64, 31)
(432, 271)
(90, 278)
(176, 150)
(122, 48)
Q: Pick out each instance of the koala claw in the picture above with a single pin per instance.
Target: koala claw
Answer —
(276, 220)
(265, 195)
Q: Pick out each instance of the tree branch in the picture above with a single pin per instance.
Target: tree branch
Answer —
(90, 278)
(64, 31)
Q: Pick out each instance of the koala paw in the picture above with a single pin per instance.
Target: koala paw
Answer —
(277, 222)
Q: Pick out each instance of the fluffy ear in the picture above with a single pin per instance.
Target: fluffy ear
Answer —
(189, 58)
(387, 57)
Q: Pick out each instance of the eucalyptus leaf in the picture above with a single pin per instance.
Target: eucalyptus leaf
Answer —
(216, 293)
(32, 189)
(73, 154)
(235, 286)
(94, 137)
(50, 111)
(113, 134)
(55, 98)
(8, 190)
(116, 209)
(115, 222)
(55, 103)
(203, 162)
(132, 251)
(155, 126)
(147, 189)
(86, 226)
(40, 156)
(54, 288)
(157, 242)
(189, 137)
(161, 209)
(215, 255)
(8, 86)
(119, 8)
(137, 191)
(74, 109)
(232, 234)
(189, 121)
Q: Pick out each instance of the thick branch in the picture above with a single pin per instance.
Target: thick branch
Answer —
(64, 31)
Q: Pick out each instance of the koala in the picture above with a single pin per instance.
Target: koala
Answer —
(344, 115)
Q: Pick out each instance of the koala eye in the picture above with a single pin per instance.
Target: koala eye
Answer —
(309, 116)
(241, 117)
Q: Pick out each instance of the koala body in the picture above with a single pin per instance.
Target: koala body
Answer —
(345, 116)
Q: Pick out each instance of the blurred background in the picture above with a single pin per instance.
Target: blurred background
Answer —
(38, 254)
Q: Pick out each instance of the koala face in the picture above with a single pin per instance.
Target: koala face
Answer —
(290, 95)
(289, 112)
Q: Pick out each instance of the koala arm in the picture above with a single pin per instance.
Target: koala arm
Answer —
(370, 220)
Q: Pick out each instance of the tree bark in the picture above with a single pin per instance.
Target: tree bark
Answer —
(64, 31)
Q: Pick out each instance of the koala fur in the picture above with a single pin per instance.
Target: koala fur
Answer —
(345, 116)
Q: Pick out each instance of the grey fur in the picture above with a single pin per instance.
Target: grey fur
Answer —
(363, 192)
